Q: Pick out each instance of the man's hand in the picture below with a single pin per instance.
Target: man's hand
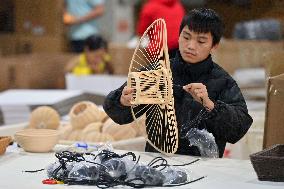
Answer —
(199, 92)
(126, 96)
(69, 19)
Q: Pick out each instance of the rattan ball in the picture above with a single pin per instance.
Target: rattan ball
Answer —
(75, 135)
(65, 130)
(84, 113)
(44, 117)
(118, 132)
(92, 127)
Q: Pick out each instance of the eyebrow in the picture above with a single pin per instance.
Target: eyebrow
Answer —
(202, 37)
(187, 33)
(199, 37)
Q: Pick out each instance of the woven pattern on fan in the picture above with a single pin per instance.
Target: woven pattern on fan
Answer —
(151, 78)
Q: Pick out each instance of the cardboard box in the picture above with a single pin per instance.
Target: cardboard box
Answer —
(38, 71)
(274, 63)
(121, 57)
(8, 44)
(5, 75)
(11, 44)
(38, 28)
(40, 44)
(39, 18)
(235, 54)
(274, 119)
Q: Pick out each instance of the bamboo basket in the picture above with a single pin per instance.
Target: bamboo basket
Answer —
(4, 142)
(269, 163)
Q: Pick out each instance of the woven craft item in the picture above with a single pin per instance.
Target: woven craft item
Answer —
(269, 163)
(37, 140)
(44, 117)
(4, 142)
(118, 132)
(151, 78)
(84, 113)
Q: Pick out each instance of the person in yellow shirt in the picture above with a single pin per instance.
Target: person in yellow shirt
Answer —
(94, 60)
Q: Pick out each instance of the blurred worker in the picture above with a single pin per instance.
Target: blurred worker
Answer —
(94, 60)
(81, 17)
(171, 11)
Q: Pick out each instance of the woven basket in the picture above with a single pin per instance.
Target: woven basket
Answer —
(269, 163)
(4, 142)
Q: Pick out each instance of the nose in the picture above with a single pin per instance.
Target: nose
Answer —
(191, 44)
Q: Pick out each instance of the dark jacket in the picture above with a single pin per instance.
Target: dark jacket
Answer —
(228, 121)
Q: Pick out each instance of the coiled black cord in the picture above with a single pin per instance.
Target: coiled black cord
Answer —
(195, 122)
(105, 180)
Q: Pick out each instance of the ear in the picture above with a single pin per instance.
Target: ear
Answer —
(214, 47)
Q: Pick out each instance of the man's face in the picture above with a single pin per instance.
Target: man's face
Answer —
(195, 47)
(94, 57)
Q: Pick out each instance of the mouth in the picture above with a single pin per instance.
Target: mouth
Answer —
(190, 54)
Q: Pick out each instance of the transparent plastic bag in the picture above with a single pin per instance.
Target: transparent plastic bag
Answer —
(174, 175)
(205, 142)
(84, 171)
(110, 169)
(54, 170)
(115, 167)
(150, 175)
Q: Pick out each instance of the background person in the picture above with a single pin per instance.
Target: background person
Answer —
(171, 11)
(94, 60)
(81, 17)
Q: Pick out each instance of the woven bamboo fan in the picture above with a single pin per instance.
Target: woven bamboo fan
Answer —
(151, 78)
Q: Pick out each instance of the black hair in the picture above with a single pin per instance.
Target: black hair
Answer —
(95, 42)
(204, 20)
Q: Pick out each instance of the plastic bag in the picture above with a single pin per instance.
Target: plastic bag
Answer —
(205, 142)
(151, 176)
(84, 171)
(115, 167)
(55, 171)
(174, 175)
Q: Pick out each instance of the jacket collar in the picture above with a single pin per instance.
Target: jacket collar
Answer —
(194, 71)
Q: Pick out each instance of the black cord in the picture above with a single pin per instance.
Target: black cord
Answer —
(34, 171)
(195, 122)
(185, 183)
(187, 163)
(157, 159)
(104, 179)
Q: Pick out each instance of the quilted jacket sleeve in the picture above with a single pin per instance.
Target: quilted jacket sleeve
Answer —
(115, 110)
(229, 120)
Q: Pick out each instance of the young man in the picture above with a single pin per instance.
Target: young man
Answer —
(205, 85)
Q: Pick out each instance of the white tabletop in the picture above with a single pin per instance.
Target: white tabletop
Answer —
(220, 173)
(101, 84)
(19, 97)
